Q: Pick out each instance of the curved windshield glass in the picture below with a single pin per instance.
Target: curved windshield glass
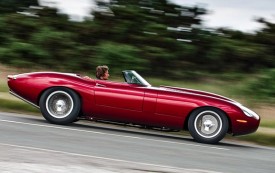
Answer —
(132, 77)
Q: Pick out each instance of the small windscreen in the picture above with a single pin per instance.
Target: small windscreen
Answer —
(132, 77)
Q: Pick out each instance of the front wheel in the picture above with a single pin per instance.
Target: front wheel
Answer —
(60, 105)
(208, 125)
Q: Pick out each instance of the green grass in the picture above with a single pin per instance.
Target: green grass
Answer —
(3, 85)
(268, 123)
(4, 88)
(17, 106)
(259, 138)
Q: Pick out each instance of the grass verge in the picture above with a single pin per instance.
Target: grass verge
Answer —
(259, 138)
(17, 106)
(268, 123)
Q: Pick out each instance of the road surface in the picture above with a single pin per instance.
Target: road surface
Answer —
(31, 144)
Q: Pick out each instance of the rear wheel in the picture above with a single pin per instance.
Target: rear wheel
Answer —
(208, 125)
(60, 105)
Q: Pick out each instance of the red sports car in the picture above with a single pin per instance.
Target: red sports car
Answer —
(64, 97)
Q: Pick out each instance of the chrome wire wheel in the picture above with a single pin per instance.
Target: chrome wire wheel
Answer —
(208, 124)
(59, 104)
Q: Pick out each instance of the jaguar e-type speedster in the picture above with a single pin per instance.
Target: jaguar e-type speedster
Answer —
(64, 97)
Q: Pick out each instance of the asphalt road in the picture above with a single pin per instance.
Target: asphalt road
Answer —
(31, 144)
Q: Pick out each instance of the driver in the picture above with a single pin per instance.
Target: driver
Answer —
(102, 72)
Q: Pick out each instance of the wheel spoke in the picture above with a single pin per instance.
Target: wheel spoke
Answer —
(59, 104)
(208, 124)
(206, 128)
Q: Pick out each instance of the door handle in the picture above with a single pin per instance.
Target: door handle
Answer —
(100, 85)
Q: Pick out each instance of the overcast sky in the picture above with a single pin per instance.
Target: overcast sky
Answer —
(236, 14)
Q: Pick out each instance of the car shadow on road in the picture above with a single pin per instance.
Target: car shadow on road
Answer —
(134, 129)
(158, 132)
(110, 127)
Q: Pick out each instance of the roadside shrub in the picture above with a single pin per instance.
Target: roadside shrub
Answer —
(120, 57)
(263, 87)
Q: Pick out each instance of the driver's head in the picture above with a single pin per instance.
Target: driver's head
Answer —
(102, 72)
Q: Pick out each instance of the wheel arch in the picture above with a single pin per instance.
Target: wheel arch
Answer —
(185, 125)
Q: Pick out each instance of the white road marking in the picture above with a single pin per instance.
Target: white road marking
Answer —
(132, 137)
(104, 158)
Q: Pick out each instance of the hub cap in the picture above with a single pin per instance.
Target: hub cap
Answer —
(59, 104)
(208, 124)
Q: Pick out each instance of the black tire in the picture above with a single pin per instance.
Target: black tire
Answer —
(208, 125)
(60, 105)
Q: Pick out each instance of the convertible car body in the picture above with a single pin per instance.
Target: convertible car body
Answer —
(64, 97)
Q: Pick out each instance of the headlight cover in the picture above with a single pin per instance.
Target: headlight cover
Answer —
(249, 112)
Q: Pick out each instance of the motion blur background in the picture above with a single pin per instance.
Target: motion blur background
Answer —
(168, 42)
(158, 38)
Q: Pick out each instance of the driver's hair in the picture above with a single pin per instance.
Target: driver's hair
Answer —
(101, 70)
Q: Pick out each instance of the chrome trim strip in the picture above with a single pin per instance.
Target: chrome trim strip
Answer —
(12, 77)
(16, 95)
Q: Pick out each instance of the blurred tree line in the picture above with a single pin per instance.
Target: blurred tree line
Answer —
(153, 37)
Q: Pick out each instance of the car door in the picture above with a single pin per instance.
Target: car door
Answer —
(118, 101)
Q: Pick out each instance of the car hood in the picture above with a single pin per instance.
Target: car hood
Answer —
(198, 92)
